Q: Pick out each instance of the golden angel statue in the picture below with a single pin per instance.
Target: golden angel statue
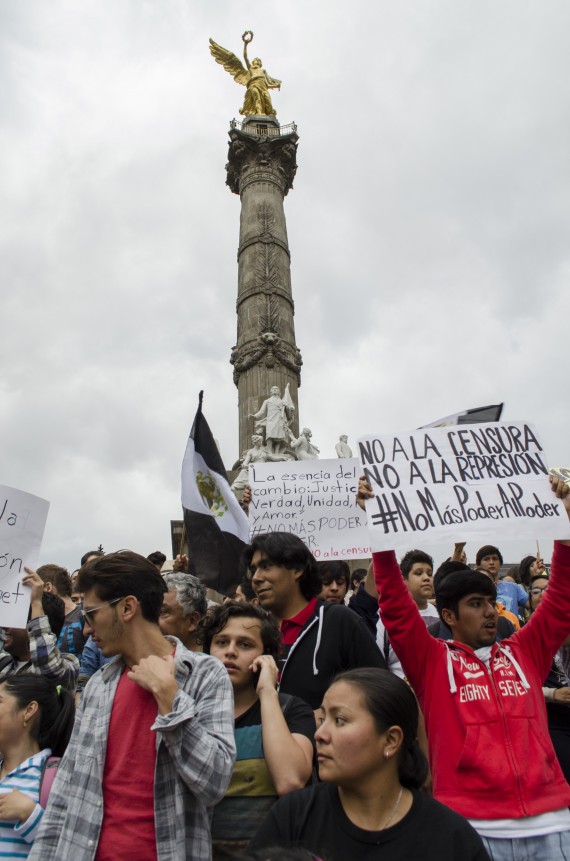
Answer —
(257, 99)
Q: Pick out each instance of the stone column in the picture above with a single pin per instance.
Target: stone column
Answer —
(261, 168)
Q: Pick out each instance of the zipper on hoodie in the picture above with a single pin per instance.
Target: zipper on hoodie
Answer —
(314, 620)
(508, 740)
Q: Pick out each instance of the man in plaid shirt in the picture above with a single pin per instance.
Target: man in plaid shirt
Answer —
(153, 746)
(33, 649)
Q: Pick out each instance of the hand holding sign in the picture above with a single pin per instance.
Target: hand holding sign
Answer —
(36, 586)
(22, 523)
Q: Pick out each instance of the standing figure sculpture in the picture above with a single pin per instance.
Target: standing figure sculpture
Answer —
(257, 100)
(275, 415)
(342, 448)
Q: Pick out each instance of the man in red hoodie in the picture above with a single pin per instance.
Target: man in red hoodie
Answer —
(491, 755)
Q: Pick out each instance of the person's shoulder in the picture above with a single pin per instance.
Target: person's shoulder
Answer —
(198, 659)
(199, 663)
(75, 615)
(305, 799)
(430, 613)
(340, 613)
(506, 587)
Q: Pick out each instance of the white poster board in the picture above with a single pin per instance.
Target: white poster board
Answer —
(314, 499)
(465, 483)
(22, 523)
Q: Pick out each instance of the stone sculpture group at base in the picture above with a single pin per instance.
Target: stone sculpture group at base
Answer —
(273, 439)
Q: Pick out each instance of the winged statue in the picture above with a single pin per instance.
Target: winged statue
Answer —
(257, 100)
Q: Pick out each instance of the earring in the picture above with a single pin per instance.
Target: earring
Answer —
(386, 754)
(25, 722)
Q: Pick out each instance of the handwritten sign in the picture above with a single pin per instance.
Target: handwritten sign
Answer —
(314, 499)
(22, 523)
(456, 484)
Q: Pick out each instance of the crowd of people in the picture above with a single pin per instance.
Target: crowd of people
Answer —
(390, 712)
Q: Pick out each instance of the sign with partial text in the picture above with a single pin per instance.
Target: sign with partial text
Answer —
(22, 523)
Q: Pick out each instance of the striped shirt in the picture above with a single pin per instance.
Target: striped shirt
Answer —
(16, 838)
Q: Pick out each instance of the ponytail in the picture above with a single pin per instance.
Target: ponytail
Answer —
(56, 709)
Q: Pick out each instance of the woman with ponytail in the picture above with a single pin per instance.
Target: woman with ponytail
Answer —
(36, 719)
(369, 805)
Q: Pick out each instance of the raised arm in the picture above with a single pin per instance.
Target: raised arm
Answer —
(289, 756)
(548, 626)
(44, 653)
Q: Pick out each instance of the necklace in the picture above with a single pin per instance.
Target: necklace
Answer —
(399, 798)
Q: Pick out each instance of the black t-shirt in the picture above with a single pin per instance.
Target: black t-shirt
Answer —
(314, 819)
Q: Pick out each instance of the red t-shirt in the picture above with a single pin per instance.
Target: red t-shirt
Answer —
(128, 828)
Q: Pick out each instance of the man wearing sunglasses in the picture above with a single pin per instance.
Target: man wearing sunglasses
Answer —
(153, 746)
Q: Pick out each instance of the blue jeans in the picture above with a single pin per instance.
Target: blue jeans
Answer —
(549, 847)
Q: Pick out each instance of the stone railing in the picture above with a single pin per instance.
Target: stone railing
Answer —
(260, 129)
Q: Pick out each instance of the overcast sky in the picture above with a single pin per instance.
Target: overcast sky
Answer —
(429, 231)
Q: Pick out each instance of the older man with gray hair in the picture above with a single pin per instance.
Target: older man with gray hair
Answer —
(183, 607)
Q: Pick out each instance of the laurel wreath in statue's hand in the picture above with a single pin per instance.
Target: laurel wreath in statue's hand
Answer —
(248, 34)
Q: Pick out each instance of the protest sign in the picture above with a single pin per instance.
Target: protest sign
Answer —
(314, 499)
(22, 524)
(457, 484)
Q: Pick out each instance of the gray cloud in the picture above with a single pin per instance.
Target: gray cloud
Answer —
(428, 229)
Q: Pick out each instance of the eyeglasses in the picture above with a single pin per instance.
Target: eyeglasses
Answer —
(90, 614)
(538, 590)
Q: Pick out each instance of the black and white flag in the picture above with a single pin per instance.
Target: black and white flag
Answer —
(469, 417)
(216, 526)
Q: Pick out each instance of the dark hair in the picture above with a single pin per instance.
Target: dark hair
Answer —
(219, 616)
(391, 702)
(446, 568)
(116, 575)
(58, 577)
(524, 569)
(457, 585)
(247, 589)
(56, 709)
(409, 559)
(288, 551)
(334, 570)
(488, 550)
(157, 558)
(357, 576)
(89, 554)
(54, 609)
(543, 576)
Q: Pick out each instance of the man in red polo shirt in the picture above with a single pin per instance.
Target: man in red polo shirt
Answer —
(319, 639)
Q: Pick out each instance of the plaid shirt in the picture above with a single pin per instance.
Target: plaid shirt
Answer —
(45, 657)
(195, 752)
